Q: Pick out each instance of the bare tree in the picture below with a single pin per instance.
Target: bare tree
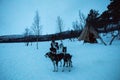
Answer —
(75, 25)
(36, 27)
(82, 20)
(78, 25)
(26, 34)
(60, 24)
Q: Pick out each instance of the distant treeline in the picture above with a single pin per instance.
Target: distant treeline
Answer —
(33, 38)
(58, 36)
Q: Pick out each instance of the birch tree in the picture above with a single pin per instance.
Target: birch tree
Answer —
(36, 27)
(60, 26)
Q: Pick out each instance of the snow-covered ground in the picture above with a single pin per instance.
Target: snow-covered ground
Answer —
(90, 62)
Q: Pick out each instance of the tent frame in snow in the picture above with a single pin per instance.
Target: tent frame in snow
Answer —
(89, 34)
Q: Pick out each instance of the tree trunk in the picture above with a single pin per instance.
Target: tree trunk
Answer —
(37, 43)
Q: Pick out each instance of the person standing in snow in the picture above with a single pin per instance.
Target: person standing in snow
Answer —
(57, 47)
(53, 48)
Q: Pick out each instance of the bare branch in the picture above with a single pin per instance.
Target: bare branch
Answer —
(60, 24)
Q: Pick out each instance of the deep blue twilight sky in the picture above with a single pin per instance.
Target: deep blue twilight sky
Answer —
(16, 15)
